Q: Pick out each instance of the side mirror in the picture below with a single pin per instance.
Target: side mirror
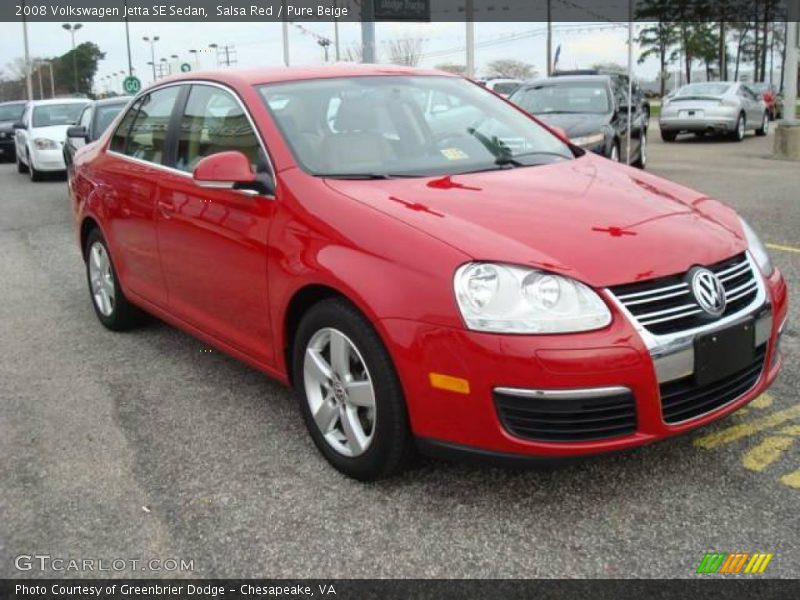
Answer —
(19, 125)
(230, 170)
(77, 131)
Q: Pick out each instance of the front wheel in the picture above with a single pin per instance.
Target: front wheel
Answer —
(21, 167)
(349, 393)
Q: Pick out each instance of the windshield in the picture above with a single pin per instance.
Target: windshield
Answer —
(704, 89)
(103, 115)
(405, 126)
(56, 114)
(11, 112)
(564, 97)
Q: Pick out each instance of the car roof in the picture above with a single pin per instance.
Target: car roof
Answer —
(113, 100)
(60, 101)
(13, 102)
(567, 79)
(248, 77)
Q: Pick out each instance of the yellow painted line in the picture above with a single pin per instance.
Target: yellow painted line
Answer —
(763, 401)
(767, 452)
(731, 434)
(784, 248)
(792, 479)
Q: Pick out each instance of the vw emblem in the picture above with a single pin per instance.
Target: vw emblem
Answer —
(708, 291)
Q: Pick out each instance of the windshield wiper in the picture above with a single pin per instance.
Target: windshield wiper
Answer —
(507, 161)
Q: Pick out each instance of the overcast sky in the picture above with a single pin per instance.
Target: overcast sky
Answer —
(260, 43)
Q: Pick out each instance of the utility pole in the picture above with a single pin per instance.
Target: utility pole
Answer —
(152, 41)
(285, 28)
(39, 75)
(469, 12)
(52, 80)
(28, 82)
(367, 31)
(549, 39)
(790, 85)
(128, 40)
(336, 33)
(630, 82)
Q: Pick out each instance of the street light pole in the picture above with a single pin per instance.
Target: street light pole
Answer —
(52, 81)
(128, 40)
(28, 82)
(152, 43)
(470, 18)
(72, 30)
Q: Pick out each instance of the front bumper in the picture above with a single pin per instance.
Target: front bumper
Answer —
(616, 357)
(48, 160)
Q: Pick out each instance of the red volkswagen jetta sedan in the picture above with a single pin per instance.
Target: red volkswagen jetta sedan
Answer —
(429, 267)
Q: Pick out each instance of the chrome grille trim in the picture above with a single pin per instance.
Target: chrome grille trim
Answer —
(674, 307)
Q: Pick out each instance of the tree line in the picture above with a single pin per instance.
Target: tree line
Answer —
(703, 32)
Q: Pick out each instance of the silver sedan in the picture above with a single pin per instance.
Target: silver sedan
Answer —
(718, 107)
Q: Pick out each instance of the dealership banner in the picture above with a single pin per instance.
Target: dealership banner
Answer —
(370, 10)
(391, 589)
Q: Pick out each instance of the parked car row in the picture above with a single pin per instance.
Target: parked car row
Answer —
(42, 136)
(430, 267)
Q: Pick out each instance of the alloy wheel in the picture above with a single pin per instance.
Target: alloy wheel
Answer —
(339, 392)
(614, 153)
(101, 277)
(740, 128)
(643, 150)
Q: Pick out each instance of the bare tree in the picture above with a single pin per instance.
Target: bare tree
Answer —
(406, 51)
(353, 53)
(453, 68)
(513, 69)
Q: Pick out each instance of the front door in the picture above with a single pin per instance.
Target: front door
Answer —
(213, 242)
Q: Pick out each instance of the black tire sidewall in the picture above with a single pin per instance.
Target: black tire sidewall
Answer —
(391, 443)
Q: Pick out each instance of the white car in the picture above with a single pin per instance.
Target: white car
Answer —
(41, 132)
(503, 86)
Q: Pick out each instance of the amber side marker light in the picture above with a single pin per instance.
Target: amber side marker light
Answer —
(449, 383)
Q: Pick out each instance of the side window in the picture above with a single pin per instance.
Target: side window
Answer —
(148, 133)
(85, 117)
(213, 122)
(121, 135)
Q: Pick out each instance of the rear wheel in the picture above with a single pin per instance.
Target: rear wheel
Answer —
(641, 161)
(738, 133)
(764, 125)
(668, 136)
(349, 393)
(110, 304)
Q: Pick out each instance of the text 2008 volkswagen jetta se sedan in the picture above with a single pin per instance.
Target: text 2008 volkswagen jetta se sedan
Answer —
(426, 264)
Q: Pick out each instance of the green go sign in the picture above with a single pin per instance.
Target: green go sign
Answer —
(132, 85)
(186, 67)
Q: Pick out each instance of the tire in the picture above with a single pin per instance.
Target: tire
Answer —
(668, 136)
(21, 167)
(383, 445)
(118, 314)
(641, 160)
(614, 156)
(33, 173)
(741, 126)
(762, 131)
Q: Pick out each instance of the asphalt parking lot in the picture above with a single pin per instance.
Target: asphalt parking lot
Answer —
(148, 445)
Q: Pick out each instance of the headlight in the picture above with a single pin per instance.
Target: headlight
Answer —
(504, 298)
(757, 249)
(589, 140)
(45, 144)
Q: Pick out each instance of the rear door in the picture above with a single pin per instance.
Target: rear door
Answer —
(213, 242)
(136, 161)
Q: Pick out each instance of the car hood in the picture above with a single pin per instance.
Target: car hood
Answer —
(601, 223)
(575, 124)
(57, 133)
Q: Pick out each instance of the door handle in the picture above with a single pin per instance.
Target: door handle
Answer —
(166, 208)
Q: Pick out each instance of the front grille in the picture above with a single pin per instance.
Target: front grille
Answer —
(682, 399)
(567, 420)
(666, 305)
